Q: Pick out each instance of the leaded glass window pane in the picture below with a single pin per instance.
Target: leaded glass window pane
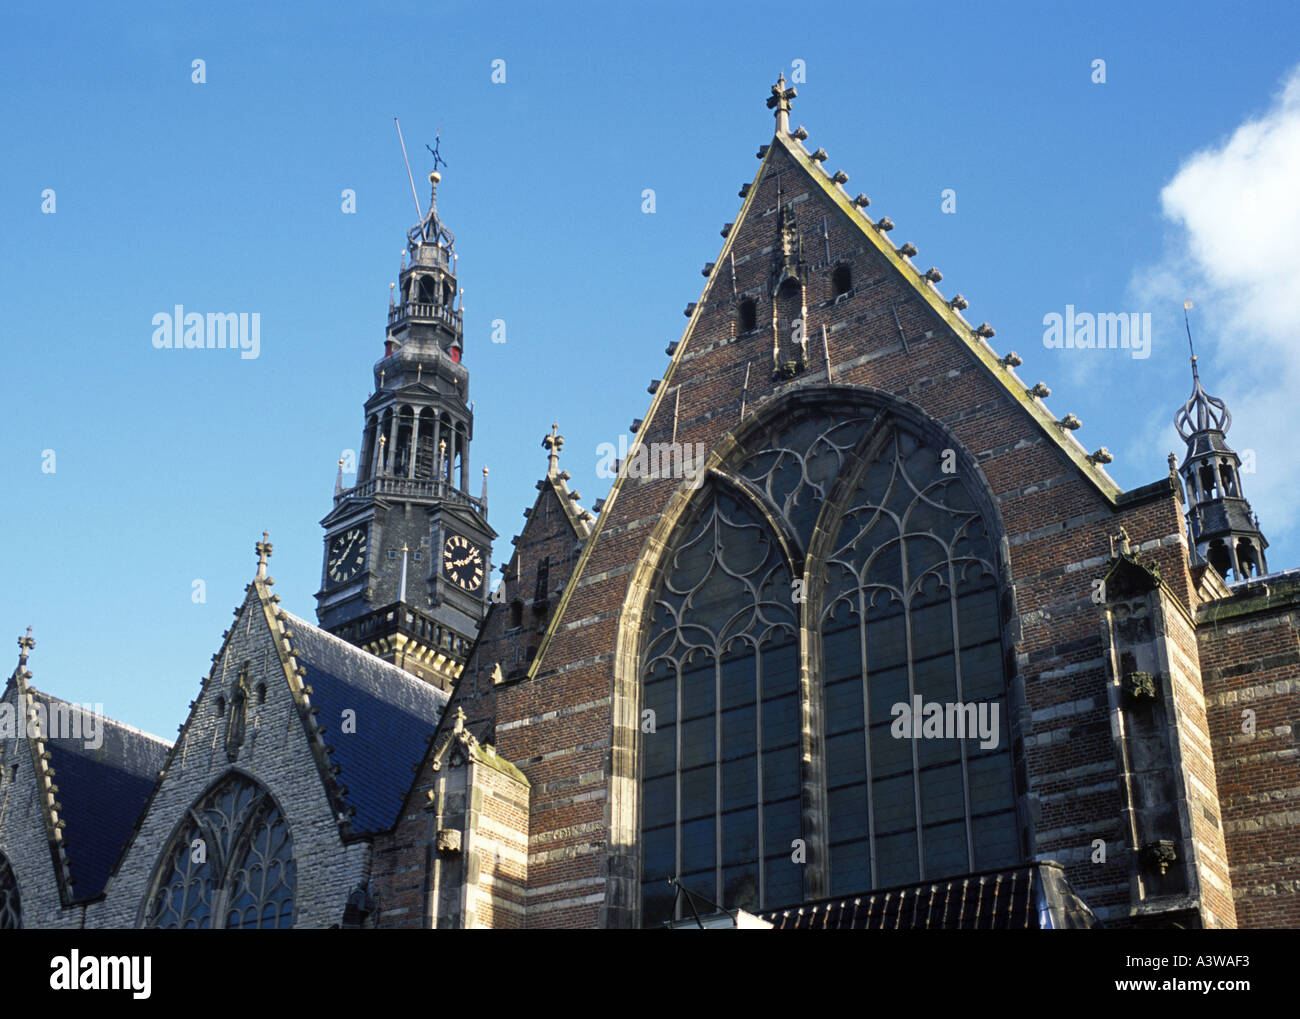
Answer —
(723, 650)
(908, 599)
(915, 565)
(11, 908)
(229, 865)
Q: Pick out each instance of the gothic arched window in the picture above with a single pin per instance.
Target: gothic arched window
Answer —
(11, 907)
(720, 801)
(230, 863)
(839, 569)
(911, 611)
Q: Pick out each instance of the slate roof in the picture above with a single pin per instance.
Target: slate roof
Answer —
(396, 714)
(102, 789)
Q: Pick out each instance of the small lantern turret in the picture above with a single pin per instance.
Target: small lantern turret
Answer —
(1221, 525)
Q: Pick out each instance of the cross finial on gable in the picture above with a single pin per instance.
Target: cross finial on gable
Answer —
(25, 645)
(263, 550)
(779, 101)
(553, 443)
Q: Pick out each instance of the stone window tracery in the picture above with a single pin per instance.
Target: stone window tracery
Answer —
(229, 865)
(11, 908)
(839, 567)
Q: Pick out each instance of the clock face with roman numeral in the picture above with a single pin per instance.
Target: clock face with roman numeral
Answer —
(462, 561)
(347, 555)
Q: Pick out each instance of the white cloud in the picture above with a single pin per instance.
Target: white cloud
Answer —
(1234, 249)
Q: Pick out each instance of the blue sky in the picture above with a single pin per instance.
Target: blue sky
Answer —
(1171, 179)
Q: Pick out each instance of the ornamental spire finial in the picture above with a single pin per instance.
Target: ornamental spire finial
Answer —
(263, 550)
(553, 443)
(1187, 306)
(1202, 412)
(25, 645)
(779, 101)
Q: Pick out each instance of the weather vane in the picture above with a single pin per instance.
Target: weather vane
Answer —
(437, 156)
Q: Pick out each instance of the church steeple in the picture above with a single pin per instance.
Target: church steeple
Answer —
(1223, 529)
(405, 545)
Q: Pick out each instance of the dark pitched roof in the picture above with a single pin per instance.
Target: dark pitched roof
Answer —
(396, 714)
(102, 788)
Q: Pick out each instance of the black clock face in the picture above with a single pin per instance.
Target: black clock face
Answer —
(347, 555)
(462, 561)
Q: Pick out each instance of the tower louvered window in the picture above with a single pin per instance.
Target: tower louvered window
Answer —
(840, 566)
(229, 865)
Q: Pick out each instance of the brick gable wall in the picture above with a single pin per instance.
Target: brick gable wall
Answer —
(572, 726)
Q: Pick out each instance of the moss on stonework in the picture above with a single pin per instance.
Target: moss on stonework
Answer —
(488, 755)
(1280, 597)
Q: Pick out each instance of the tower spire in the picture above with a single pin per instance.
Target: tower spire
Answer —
(411, 500)
(1221, 525)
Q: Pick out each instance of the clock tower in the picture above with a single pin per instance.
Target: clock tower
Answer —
(408, 549)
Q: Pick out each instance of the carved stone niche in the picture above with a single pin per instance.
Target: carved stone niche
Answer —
(790, 369)
(1159, 856)
(1140, 687)
(448, 840)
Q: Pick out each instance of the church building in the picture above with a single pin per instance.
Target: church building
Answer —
(861, 636)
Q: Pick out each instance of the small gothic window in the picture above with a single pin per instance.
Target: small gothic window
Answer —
(516, 613)
(11, 909)
(842, 280)
(542, 592)
(221, 705)
(261, 693)
(229, 865)
(748, 316)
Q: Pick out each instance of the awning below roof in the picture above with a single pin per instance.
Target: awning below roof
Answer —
(1032, 897)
